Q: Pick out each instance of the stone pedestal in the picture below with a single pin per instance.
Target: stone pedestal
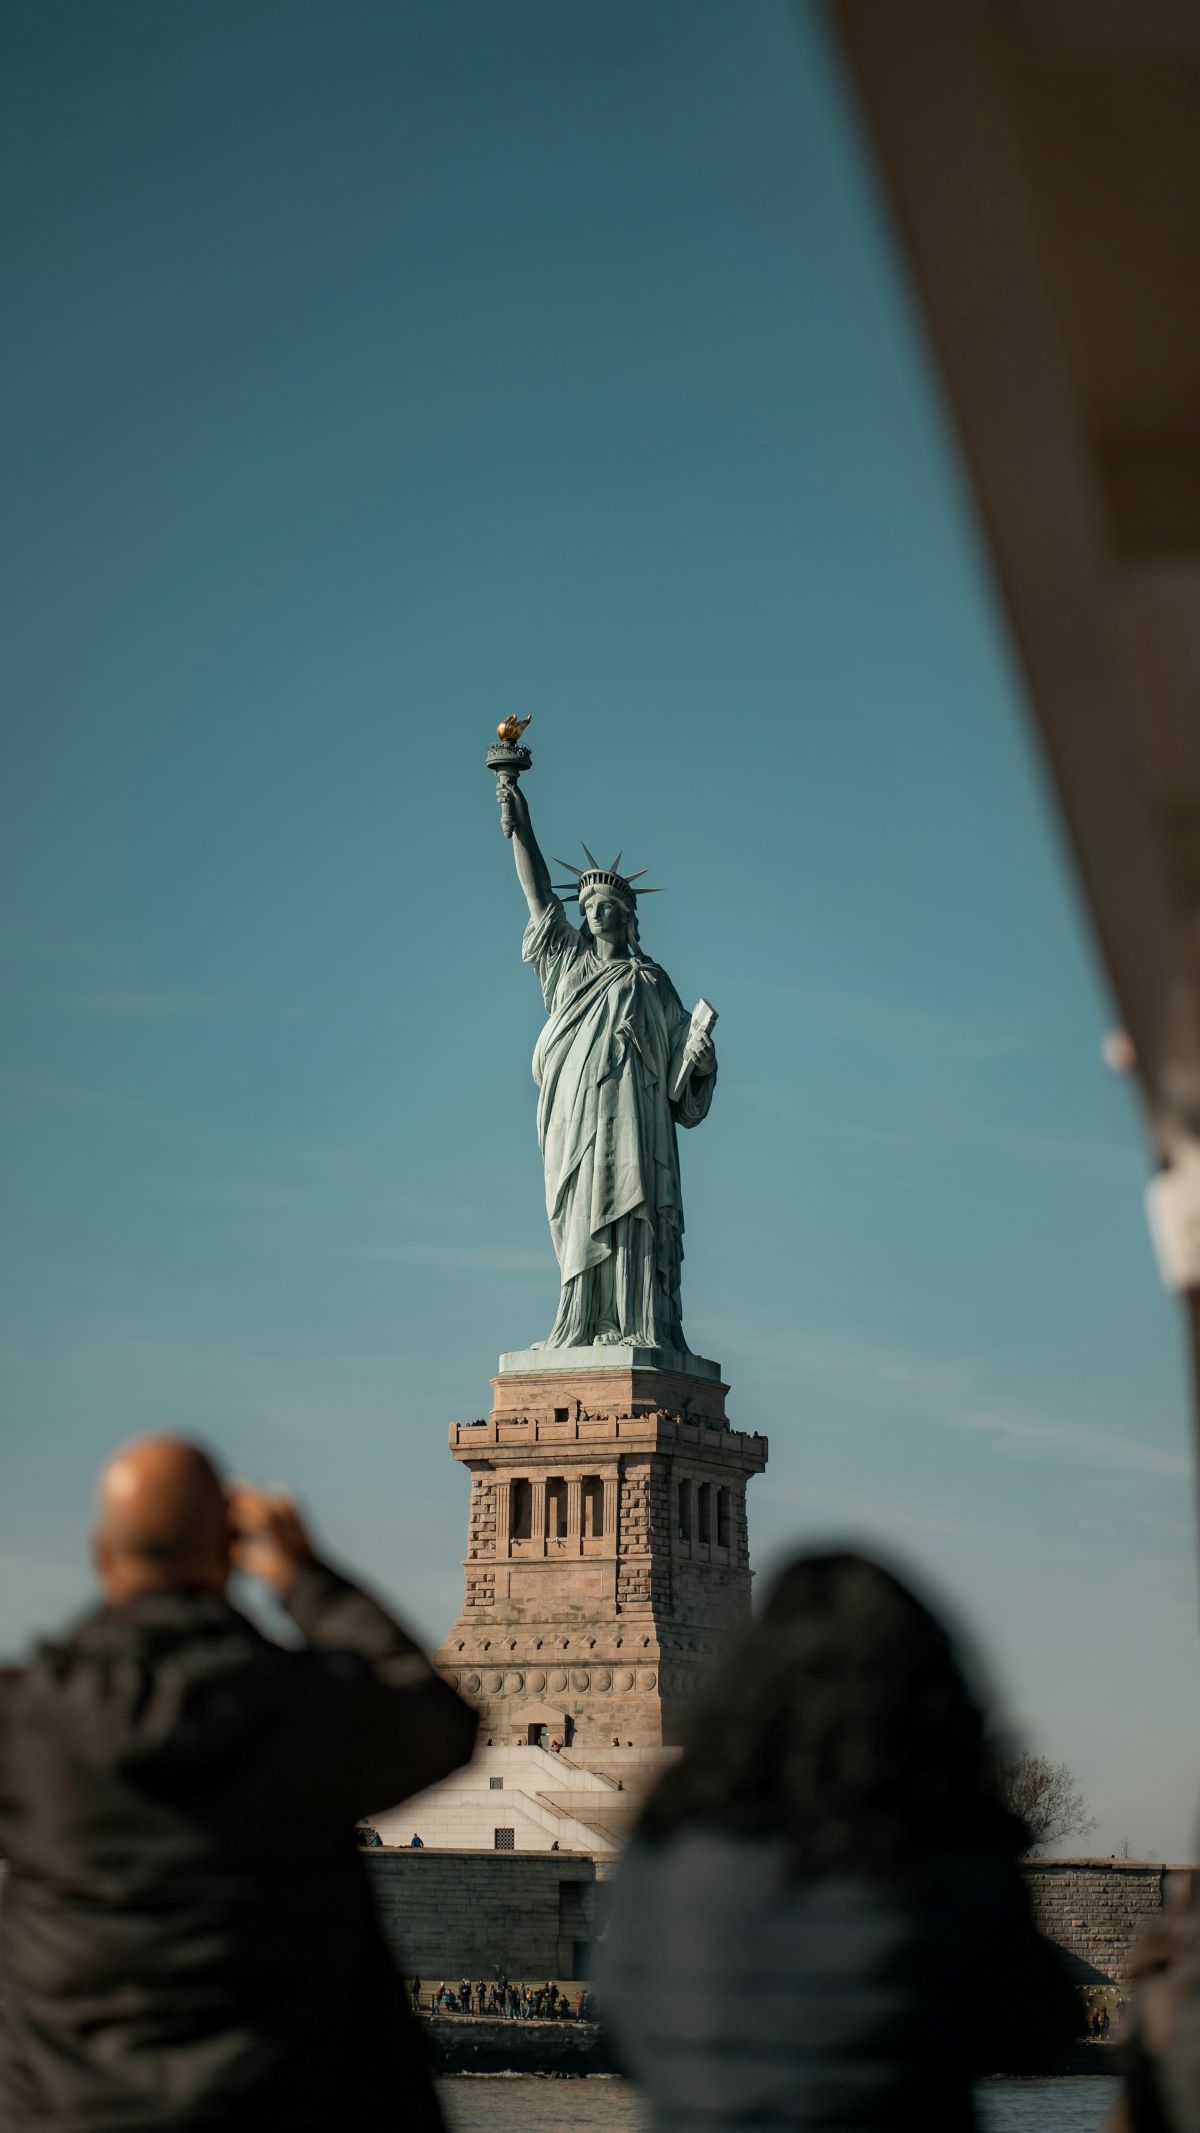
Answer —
(607, 1554)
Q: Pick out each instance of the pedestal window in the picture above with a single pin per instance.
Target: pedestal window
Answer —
(722, 1518)
(593, 1507)
(556, 1509)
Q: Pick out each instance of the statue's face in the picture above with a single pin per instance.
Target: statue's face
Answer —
(606, 914)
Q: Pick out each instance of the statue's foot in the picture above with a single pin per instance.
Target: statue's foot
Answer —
(609, 1337)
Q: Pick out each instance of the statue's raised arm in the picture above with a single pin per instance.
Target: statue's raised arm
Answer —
(508, 757)
(532, 871)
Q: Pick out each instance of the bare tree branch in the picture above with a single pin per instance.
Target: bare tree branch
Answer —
(1046, 1797)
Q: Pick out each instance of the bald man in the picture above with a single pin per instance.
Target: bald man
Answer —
(187, 1936)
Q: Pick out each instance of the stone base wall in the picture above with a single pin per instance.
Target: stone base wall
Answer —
(1095, 1911)
(448, 1914)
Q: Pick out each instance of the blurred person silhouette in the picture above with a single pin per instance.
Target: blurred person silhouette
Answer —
(1159, 2039)
(189, 1938)
(821, 1920)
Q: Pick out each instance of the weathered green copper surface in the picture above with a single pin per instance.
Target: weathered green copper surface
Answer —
(617, 1043)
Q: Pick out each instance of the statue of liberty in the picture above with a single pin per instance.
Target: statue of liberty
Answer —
(619, 1065)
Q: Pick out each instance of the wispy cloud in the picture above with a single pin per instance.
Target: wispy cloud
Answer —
(500, 1259)
(852, 1510)
(154, 1006)
(170, 1379)
(857, 1368)
(952, 1391)
(1054, 1147)
(231, 1195)
(122, 1110)
(935, 1093)
(1038, 1437)
(884, 1026)
(920, 1123)
(19, 945)
(808, 1118)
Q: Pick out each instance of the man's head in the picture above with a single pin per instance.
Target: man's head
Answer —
(162, 1520)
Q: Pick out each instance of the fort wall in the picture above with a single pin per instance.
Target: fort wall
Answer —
(450, 1914)
(1095, 1909)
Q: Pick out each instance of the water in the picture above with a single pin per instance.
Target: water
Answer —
(1070, 2104)
(530, 2103)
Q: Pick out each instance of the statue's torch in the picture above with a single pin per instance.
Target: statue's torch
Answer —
(508, 758)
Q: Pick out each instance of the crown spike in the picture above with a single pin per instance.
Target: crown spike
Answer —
(571, 869)
(615, 866)
(638, 875)
(649, 892)
(591, 859)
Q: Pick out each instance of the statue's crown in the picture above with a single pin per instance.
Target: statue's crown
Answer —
(594, 876)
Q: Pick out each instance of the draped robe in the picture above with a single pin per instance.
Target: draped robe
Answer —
(604, 1065)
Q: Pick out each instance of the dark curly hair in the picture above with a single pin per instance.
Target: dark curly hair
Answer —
(842, 1722)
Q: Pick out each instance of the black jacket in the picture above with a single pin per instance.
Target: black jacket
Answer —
(187, 1934)
(738, 1996)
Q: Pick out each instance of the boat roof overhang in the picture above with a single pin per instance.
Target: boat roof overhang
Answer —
(1041, 160)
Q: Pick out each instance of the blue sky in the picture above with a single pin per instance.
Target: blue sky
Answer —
(379, 369)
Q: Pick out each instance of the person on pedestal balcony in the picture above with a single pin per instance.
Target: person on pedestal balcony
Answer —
(821, 1921)
(189, 1934)
(605, 1064)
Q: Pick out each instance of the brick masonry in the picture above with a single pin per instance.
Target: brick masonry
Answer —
(450, 1914)
(1095, 1909)
(453, 1914)
(607, 1553)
